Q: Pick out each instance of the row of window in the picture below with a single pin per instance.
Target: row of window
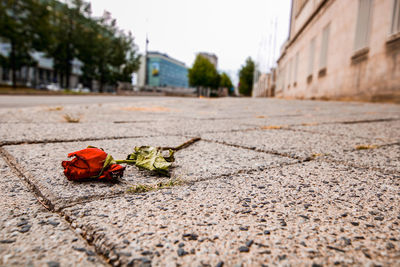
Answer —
(364, 17)
(291, 71)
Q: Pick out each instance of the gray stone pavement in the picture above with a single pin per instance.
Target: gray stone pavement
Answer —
(272, 182)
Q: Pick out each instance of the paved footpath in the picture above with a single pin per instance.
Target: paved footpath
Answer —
(272, 182)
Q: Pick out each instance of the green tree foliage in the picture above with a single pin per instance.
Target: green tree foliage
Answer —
(225, 81)
(203, 73)
(246, 77)
(66, 31)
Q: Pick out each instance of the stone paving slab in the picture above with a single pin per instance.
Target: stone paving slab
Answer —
(98, 113)
(237, 206)
(385, 158)
(315, 120)
(303, 214)
(294, 143)
(42, 164)
(32, 236)
(377, 132)
(196, 127)
(206, 160)
(203, 160)
(150, 109)
(39, 132)
(244, 108)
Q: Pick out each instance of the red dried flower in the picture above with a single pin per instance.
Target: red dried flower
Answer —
(91, 163)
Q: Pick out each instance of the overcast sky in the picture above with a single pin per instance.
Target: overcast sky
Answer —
(231, 29)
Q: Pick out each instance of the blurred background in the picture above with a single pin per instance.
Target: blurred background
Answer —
(312, 49)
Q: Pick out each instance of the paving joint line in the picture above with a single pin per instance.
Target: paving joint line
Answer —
(368, 121)
(310, 158)
(23, 175)
(272, 152)
(52, 141)
(244, 171)
(103, 246)
(289, 128)
(359, 167)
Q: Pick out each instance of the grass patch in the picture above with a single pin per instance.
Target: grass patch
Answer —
(70, 119)
(365, 147)
(5, 90)
(140, 188)
(143, 188)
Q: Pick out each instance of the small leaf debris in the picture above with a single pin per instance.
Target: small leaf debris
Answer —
(272, 127)
(71, 119)
(364, 147)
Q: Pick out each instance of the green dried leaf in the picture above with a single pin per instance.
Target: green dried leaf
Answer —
(151, 158)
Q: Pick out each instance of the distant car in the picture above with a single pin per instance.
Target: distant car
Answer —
(41, 86)
(81, 89)
(53, 87)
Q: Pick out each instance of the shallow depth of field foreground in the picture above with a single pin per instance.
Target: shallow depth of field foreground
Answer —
(271, 182)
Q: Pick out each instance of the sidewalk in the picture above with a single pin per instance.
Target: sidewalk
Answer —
(271, 182)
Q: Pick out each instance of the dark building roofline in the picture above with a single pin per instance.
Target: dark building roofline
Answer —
(208, 54)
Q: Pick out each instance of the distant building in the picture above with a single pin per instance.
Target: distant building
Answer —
(162, 71)
(211, 57)
(341, 49)
(265, 85)
(40, 75)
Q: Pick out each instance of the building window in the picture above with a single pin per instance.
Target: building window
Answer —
(290, 72)
(395, 27)
(363, 24)
(311, 57)
(283, 77)
(6, 74)
(324, 47)
(296, 67)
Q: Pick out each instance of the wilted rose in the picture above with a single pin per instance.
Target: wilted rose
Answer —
(91, 163)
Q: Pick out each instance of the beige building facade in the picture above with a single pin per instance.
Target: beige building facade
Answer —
(265, 85)
(341, 49)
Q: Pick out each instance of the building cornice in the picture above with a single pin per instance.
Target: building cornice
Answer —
(308, 21)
